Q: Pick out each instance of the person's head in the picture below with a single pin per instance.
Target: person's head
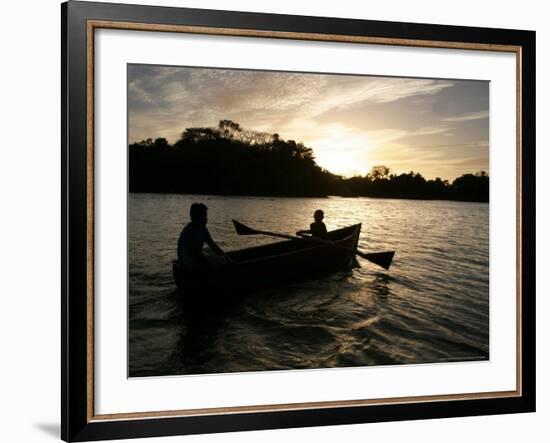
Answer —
(318, 215)
(199, 214)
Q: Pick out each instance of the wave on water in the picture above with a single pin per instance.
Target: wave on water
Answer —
(431, 307)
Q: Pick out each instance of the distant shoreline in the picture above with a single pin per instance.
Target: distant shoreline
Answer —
(230, 160)
(304, 196)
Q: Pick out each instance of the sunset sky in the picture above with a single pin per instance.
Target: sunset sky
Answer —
(439, 128)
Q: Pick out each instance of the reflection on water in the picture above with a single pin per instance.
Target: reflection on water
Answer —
(432, 306)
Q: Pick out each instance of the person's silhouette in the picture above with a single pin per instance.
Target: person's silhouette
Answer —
(193, 237)
(317, 228)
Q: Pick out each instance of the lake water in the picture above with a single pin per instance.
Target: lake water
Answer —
(432, 306)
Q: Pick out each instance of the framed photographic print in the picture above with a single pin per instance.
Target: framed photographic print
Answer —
(279, 221)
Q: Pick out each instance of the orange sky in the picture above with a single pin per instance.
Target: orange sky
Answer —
(439, 128)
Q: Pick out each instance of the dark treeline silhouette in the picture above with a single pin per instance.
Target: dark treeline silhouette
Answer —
(230, 160)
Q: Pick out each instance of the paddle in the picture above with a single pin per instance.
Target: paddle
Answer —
(382, 259)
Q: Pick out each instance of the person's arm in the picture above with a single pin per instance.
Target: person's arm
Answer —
(187, 249)
(197, 255)
(214, 246)
(306, 231)
(211, 243)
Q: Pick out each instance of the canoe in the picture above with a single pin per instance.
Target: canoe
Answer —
(269, 265)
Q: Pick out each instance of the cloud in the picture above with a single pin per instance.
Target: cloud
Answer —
(430, 130)
(467, 117)
(352, 122)
(257, 99)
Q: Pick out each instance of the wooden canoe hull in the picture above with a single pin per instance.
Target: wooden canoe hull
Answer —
(270, 265)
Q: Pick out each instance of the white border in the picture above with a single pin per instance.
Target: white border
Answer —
(115, 393)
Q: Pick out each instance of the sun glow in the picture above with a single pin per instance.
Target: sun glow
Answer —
(435, 127)
(342, 151)
(345, 164)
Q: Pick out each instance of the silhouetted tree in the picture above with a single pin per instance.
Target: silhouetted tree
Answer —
(161, 143)
(471, 187)
(231, 160)
(378, 172)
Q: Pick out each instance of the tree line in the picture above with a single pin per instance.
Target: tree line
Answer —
(231, 160)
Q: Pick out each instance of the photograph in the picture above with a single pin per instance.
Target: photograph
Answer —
(276, 220)
(304, 220)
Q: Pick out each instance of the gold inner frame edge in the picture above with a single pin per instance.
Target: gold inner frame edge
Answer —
(91, 26)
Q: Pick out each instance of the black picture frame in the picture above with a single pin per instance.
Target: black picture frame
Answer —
(77, 424)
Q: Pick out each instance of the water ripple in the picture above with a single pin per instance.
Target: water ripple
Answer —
(431, 307)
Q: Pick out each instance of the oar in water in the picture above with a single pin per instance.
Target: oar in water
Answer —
(383, 259)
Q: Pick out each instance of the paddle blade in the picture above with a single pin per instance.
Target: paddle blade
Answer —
(243, 229)
(383, 259)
